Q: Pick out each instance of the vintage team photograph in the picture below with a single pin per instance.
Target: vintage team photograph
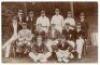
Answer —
(49, 32)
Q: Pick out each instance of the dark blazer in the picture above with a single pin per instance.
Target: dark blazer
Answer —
(63, 46)
(31, 23)
(81, 34)
(39, 49)
(69, 35)
(84, 26)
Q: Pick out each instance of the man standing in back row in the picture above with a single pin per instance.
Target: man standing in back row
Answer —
(30, 20)
(57, 20)
(70, 20)
(42, 23)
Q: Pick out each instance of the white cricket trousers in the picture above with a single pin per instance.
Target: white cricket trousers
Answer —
(59, 28)
(79, 47)
(63, 56)
(40, 29)
(50, 43)
(39, 57)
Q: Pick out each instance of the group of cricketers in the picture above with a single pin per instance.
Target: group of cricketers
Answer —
(62, 37)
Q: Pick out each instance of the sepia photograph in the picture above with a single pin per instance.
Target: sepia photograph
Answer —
(49, 32)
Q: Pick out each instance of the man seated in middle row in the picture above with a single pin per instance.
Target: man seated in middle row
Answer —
(24, 38)
(69, 35)
(80, 40)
